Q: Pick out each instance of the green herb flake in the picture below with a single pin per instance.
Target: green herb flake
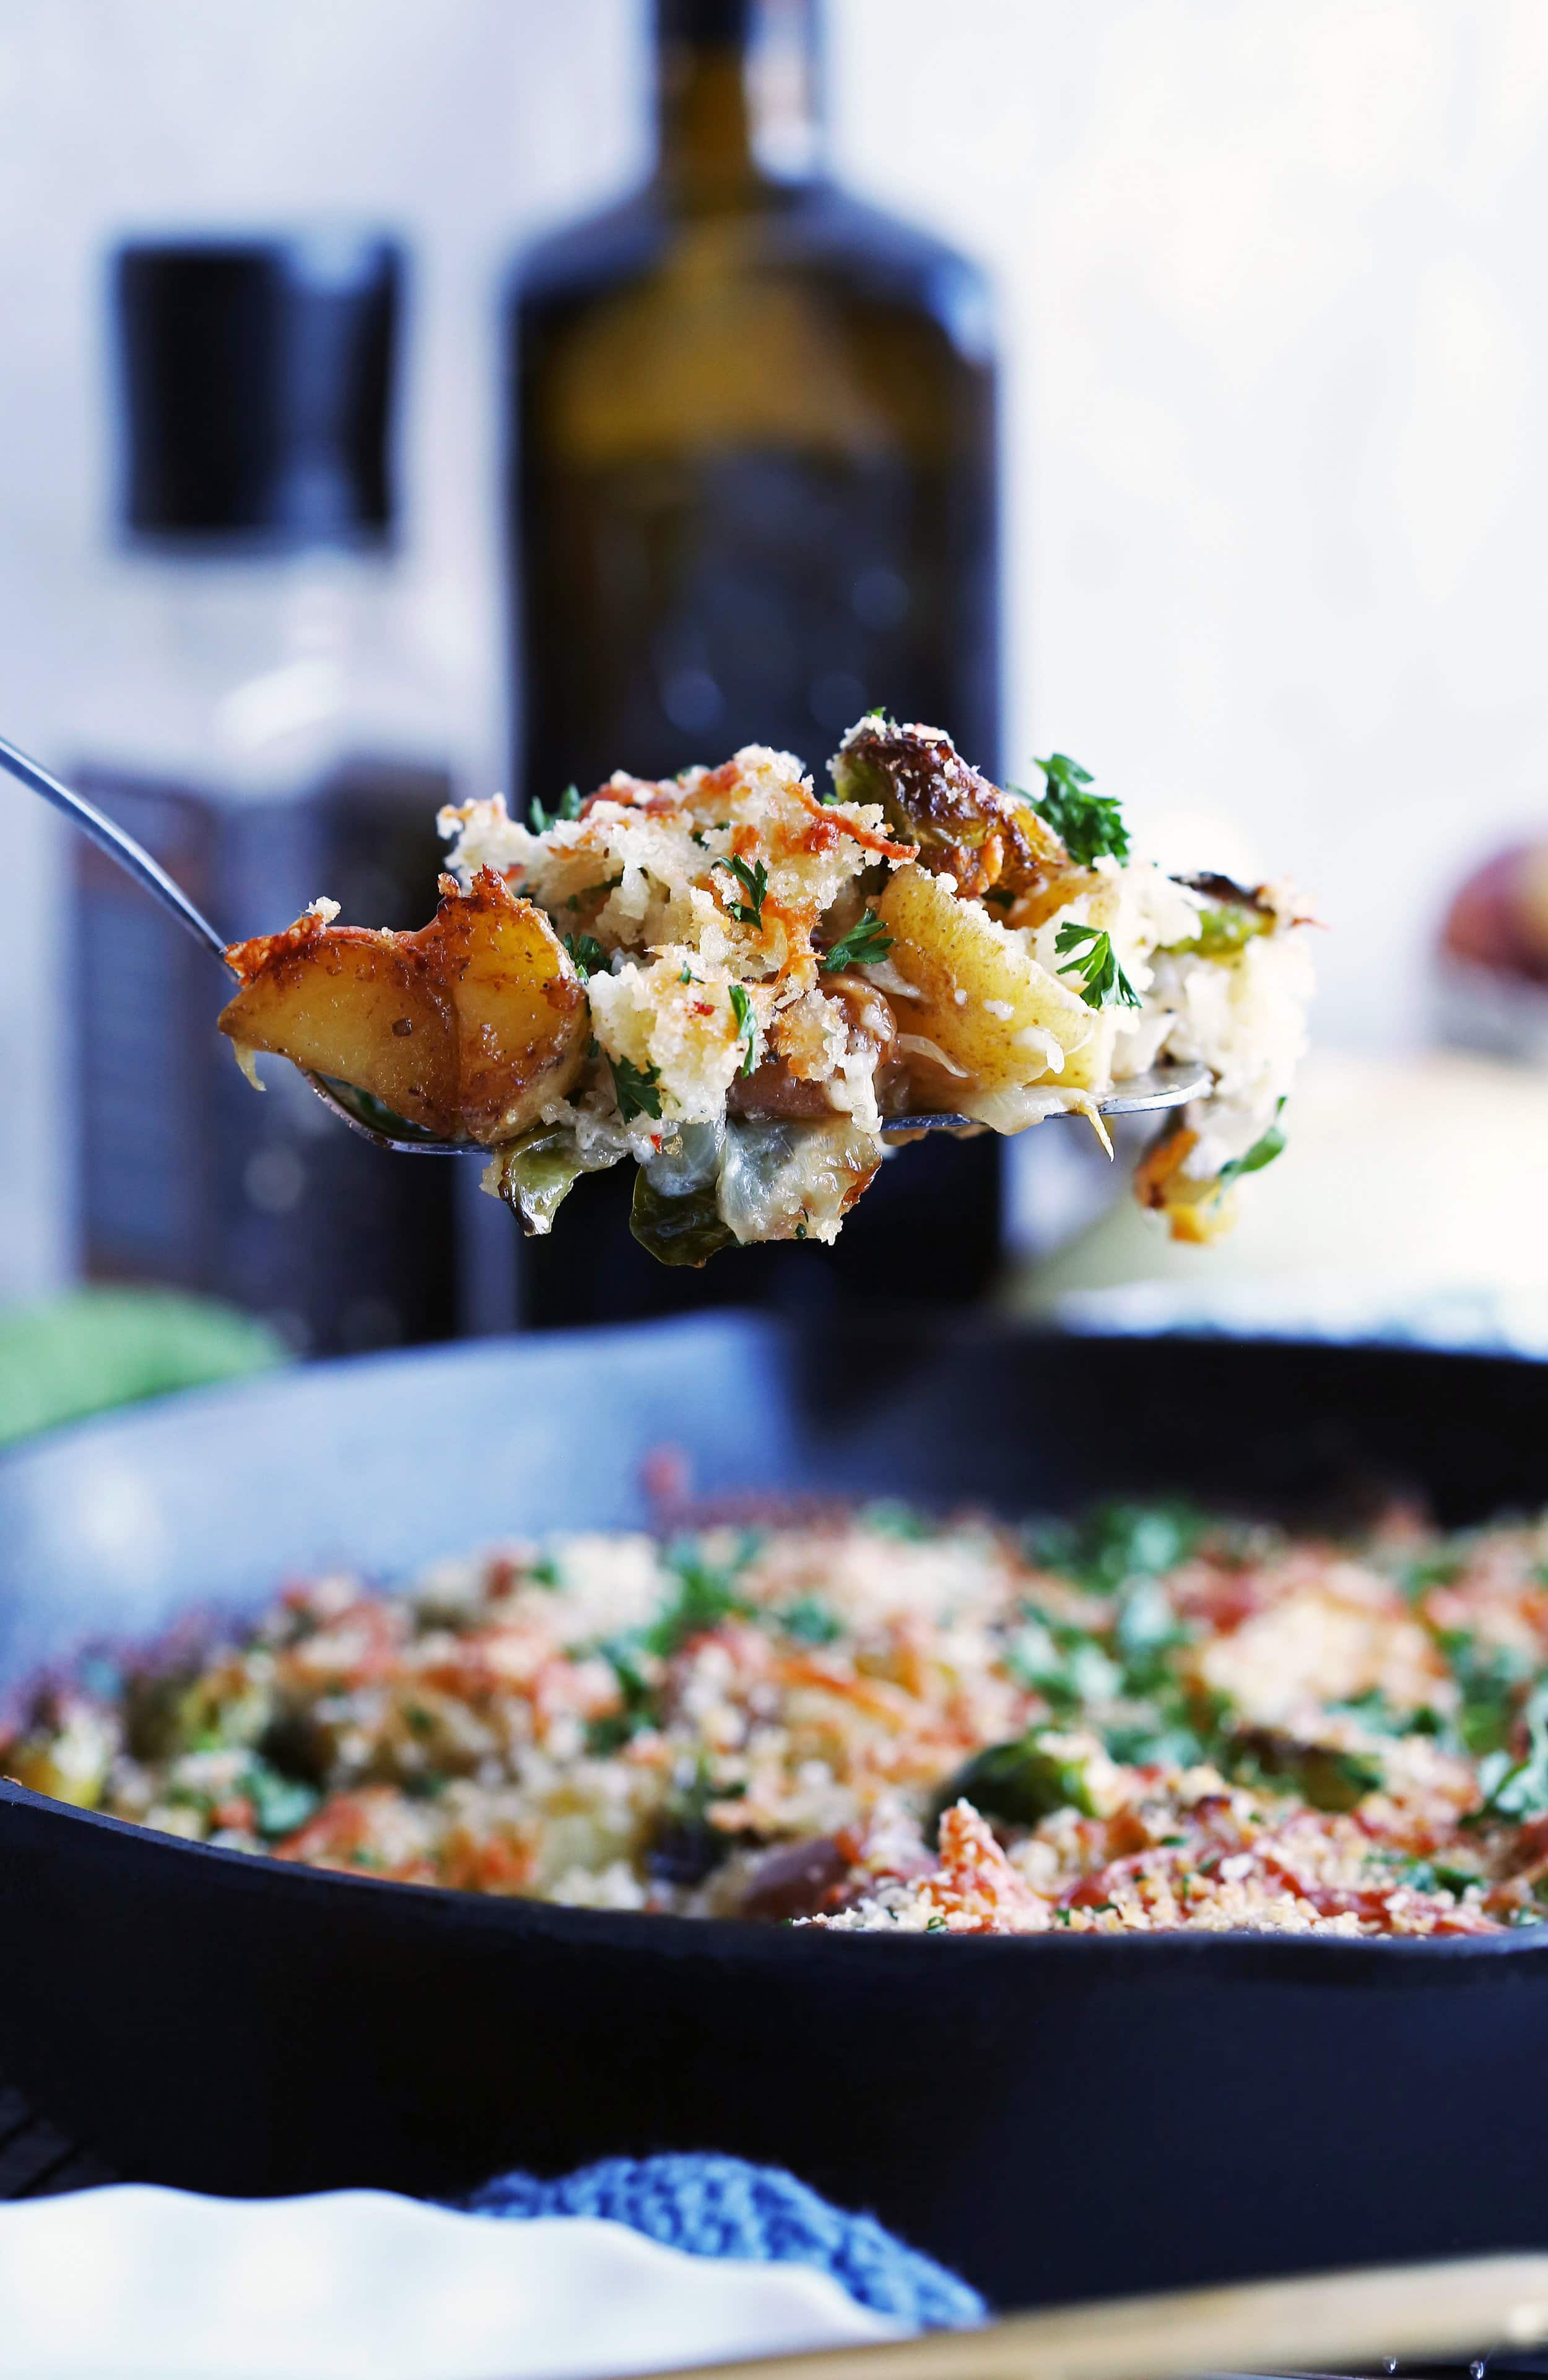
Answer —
(746, 1027)
(587, 955)
(754, 881)
(1089, 825)
(704, 1597)
(1103, 981)
(864, 945)
(637, 1094)
(810, 1622)
(279, 1804)
(568, 808)
(888, 1517)
(1263, 1152)
(1517, 1790)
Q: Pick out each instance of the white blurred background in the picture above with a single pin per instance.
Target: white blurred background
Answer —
(1275, 330)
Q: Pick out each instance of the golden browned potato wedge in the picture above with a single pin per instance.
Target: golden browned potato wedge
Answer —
(1000, 1018)
(465, 1028)
(521, 1015)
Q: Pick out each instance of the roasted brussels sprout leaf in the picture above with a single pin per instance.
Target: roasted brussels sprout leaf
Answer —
(1023, 1780)
(681, 1230)
(1326, 1775)
(964, 826)
(536, 1175)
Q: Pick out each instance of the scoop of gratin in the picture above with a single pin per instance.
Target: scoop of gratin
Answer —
(733, 981)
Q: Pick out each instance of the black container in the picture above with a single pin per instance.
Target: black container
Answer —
(1058, 2117)
(261, 719)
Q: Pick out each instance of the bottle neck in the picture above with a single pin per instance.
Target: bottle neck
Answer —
(737, 99)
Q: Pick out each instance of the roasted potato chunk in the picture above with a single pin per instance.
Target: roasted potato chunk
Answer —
(999, 1019)
(467, 1028)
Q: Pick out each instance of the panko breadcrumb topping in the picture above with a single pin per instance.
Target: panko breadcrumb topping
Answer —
(881, 1723)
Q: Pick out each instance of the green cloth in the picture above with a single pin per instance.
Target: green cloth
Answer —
(94, 1348)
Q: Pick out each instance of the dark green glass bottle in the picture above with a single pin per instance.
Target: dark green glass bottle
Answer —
(751, 493)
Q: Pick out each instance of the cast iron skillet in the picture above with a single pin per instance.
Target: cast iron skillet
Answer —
(1054, 2117)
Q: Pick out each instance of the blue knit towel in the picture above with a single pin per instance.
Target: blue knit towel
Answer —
(721, 2206)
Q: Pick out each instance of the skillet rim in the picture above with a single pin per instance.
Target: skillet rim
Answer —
(744, 1940)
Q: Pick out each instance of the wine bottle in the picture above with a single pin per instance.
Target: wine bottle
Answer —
(751, 494)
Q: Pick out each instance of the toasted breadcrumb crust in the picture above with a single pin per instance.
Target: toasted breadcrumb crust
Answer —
(878, 1723)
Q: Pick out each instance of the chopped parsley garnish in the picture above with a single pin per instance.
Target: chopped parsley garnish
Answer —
(861, 946)
(279, 1803)
(588, 957)
(1103, 981)
(1490, 1677)
(810, 1622)
(1428, 1876)
(1383, 1718)
(891, 1518)
(569, 806)
(1518, 1789)
(1119, 1543)
(754, 881)
(637, 1094)
(746, 1027)
(1089, 825)
(1419, 1576)
(705, 1597)
(1065, 1665)
(1263, 1152)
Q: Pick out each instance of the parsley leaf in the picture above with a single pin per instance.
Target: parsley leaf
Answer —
(705, 1597)
(809, 1621)
(1089, 825)
(746, 1027)
(569, 806)
(637, 1094)
(1263, 1152)
(754, 881)
(1518, 1789)
(1104, 983)
(279, 1803)
(589, 956)
(864, 943)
